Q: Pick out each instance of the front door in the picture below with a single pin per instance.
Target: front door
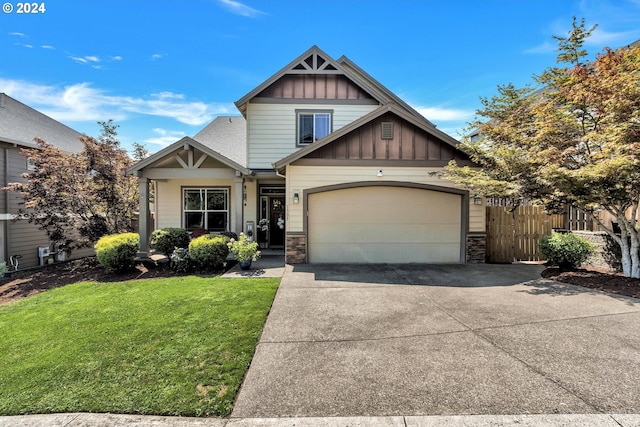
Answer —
(271, 225)
(276, 222)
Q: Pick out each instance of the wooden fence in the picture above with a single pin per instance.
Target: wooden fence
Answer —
(513, 235)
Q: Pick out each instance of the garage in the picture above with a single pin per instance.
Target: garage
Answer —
(385, 224)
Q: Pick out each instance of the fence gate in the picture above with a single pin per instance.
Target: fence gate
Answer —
(514, 235)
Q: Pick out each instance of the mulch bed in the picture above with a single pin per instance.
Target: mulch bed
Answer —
(30, 282)
(604, 281)
(33, 281)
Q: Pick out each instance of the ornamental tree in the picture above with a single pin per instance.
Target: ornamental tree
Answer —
(571, 137)
(77, 198)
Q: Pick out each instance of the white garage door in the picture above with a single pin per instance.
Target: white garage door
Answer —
(384, 225)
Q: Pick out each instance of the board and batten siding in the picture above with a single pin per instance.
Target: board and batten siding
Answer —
(300, 178)
(168, 201)
(271, 128)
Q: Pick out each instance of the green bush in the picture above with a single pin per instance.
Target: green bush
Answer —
(117, 252)
(166, 240)
(3, 268)
(565, 250)
(209, 252)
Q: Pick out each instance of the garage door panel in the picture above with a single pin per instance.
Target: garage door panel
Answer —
(384, 224)
(385, 253)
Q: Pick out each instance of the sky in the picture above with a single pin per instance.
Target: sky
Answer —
(163, 69)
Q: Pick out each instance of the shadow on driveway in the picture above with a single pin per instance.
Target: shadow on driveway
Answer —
(464, 275)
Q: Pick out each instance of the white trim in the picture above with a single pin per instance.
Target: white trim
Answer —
(7, 217)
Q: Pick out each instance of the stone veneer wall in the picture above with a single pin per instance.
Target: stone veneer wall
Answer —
(296, 249)
(476, 248)
(607, 255)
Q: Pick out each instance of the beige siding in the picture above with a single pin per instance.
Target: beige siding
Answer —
(3, 195)
(271, 128)
(305, 177)
(169, 199)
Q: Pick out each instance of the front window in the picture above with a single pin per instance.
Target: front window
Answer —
(206, 208)
(313, 126)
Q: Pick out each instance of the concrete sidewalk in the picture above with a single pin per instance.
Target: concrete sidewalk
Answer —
(112, 420)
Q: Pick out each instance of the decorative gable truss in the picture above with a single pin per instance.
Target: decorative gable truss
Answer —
(315, 63)
(189, 163)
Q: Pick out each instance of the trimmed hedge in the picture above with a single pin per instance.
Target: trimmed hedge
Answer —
(166, 240)
(209, 252)
(565, 250)
(117, 252)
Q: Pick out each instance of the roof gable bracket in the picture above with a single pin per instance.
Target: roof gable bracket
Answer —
(190, 164)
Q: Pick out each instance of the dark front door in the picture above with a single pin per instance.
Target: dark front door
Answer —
(276, 221)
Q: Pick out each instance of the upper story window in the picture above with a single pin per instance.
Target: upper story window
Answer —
(313, 125)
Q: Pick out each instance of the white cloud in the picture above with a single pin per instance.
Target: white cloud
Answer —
(156, 56)
(81, 102)
(438, 114)
(546, 47)
(18, 34)
(165, 137)
(47, 46)
(85, 59)
(238, 8)
(116, 58)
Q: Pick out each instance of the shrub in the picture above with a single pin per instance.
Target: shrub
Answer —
(166, 240)
(117, 252)
(199, 232)
(181, 260)
(565, 250)
(3, 268)
(209, 252)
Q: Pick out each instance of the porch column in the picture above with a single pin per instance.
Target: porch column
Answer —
(238, 202)
(144, 220)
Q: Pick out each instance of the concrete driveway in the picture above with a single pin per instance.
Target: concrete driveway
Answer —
(375, 340)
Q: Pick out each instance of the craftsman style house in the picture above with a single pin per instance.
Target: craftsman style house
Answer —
(324, 162)
(19, 126)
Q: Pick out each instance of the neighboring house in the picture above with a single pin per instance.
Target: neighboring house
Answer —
(340, 168)
(19, 125)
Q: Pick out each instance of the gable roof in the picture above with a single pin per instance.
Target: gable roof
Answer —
(178, 145)
(390, 107)
(391, 97)
(226, 135)
(20, 124)
(313, 61)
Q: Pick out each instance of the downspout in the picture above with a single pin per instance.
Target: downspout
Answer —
(5, 223)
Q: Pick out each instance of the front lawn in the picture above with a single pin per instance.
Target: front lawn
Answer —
(175, 346)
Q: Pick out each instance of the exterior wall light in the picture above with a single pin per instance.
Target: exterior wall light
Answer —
(477, 200)
(379, 172)
(296, 198)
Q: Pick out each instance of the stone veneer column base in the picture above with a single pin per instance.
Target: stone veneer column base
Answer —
(476, 248)
(296, 249)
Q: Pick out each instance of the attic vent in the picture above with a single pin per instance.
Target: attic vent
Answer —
(387, 130)
(330, 67)
(299, 67)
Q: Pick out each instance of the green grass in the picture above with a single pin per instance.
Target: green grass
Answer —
(177, 346)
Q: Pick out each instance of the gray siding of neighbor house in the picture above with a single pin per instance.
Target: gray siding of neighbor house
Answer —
(19, 125)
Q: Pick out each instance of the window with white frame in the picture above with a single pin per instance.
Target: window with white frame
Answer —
(313, 126)
(206, 208)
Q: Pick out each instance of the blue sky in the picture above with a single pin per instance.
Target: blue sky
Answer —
(163, 69)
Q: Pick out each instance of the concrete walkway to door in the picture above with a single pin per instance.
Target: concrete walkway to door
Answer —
(411, 340)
